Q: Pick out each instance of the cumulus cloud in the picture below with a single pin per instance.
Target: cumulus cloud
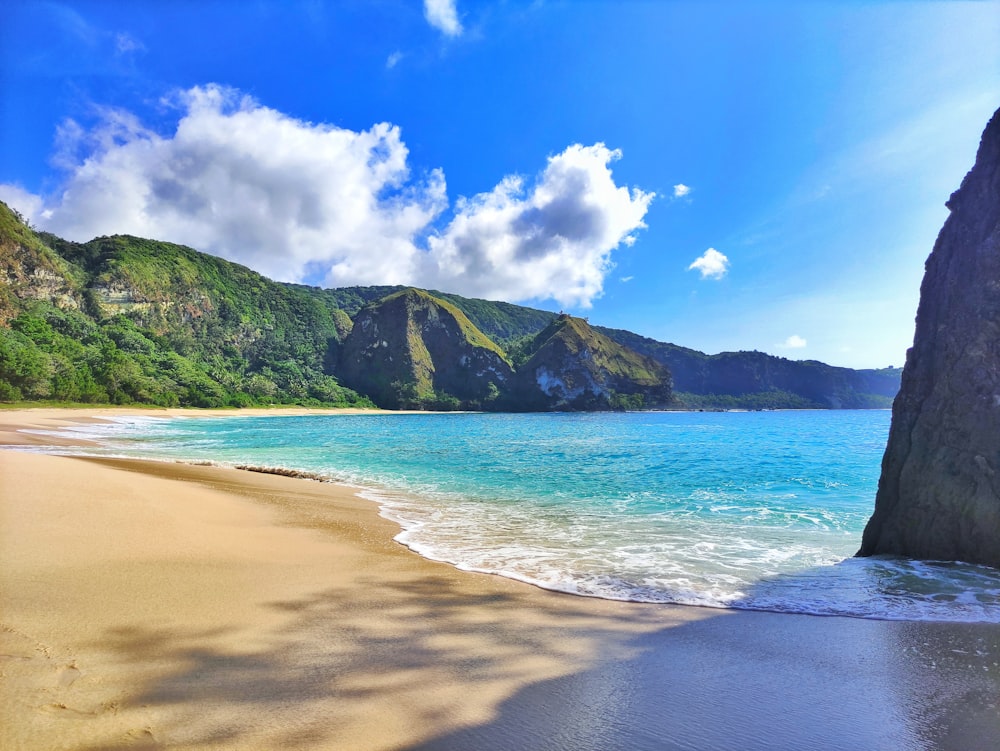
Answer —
(248, 183)
(314, 203)
(711, 264)
(442, 15)
(794, 342)
(393, 60)
(27, 204)
(553, 239)
(681, 190)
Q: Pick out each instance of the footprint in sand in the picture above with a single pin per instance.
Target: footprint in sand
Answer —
(58, 708)
(140, 734)
(68, 674)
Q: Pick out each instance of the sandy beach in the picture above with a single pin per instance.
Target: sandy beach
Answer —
(158, 605)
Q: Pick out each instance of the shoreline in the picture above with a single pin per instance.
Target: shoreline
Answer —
(165, 605)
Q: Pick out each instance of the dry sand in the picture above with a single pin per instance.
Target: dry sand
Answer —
(154, 605)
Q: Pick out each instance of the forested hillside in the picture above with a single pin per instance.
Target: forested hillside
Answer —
(125, 320)
(128, 320)
(755, 380)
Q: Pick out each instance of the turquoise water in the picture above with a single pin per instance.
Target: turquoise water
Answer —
(759, 510)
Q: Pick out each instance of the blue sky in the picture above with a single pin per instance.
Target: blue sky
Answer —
(724, 176)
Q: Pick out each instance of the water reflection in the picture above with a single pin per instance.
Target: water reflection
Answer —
(885, 588)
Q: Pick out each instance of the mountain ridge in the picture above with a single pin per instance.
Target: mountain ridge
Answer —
(123, 319)
(573, 366)
(412, 349)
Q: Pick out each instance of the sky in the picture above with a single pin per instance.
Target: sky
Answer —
(721, 175)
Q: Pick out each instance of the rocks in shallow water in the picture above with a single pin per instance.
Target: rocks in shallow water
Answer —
(939, 493)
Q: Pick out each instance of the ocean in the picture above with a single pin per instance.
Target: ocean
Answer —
(748, 510)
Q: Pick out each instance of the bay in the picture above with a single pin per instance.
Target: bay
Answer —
(750, 510)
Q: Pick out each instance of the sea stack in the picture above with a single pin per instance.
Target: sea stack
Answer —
(939, 493)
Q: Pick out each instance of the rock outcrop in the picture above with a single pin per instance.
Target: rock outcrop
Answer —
(31, 271)
(575, 367)
(412, 349)
(939, 493)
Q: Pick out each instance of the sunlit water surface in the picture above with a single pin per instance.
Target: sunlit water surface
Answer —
(759, 510)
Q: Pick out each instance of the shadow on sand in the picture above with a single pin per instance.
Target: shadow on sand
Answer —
(390, 666)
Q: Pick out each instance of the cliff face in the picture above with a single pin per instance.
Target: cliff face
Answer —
(29, 270)
(575, 367)
(415, 350)
(939, 493)
(122, 320)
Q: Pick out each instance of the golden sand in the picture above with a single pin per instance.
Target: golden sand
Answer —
(160, 605)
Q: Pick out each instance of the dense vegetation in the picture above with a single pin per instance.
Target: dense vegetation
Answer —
(126, 320)
(755, 380)
(123, 320)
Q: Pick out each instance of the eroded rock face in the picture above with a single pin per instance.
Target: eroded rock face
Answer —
(411, 348)
(576, 367)
(939, 493)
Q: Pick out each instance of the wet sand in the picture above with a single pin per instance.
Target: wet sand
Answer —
(159, 605)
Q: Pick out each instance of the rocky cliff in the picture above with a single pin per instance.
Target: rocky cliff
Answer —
(939, 493)
(412, 349)
(728, 380)
(30, 270)
(575, 367)
(127, 320)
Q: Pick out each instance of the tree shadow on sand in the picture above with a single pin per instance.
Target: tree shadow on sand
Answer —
(403, 658)
(763, 680)
(425, 664)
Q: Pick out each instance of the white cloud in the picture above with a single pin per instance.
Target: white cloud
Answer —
(793, 342)
(552, 240)
(681, 190)
(312, 202)
(626, 279)
(25, 203)
(125, 44)
(393, 60)
(711, 264)
(442, 15)
(250, 184)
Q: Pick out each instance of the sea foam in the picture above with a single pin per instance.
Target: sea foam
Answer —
(728, 510)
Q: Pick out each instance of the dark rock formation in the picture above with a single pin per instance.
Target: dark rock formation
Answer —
(939, 494)
(575, 367)
(412, 349)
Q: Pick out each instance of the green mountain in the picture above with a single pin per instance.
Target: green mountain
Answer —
(506, 324)
(572, 366)
(728, 380)
(754, 380)
(412, 349)
(126, 320)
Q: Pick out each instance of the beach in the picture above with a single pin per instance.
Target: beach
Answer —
(165, 605)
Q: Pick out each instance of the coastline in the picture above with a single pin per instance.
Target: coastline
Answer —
(158, 605)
